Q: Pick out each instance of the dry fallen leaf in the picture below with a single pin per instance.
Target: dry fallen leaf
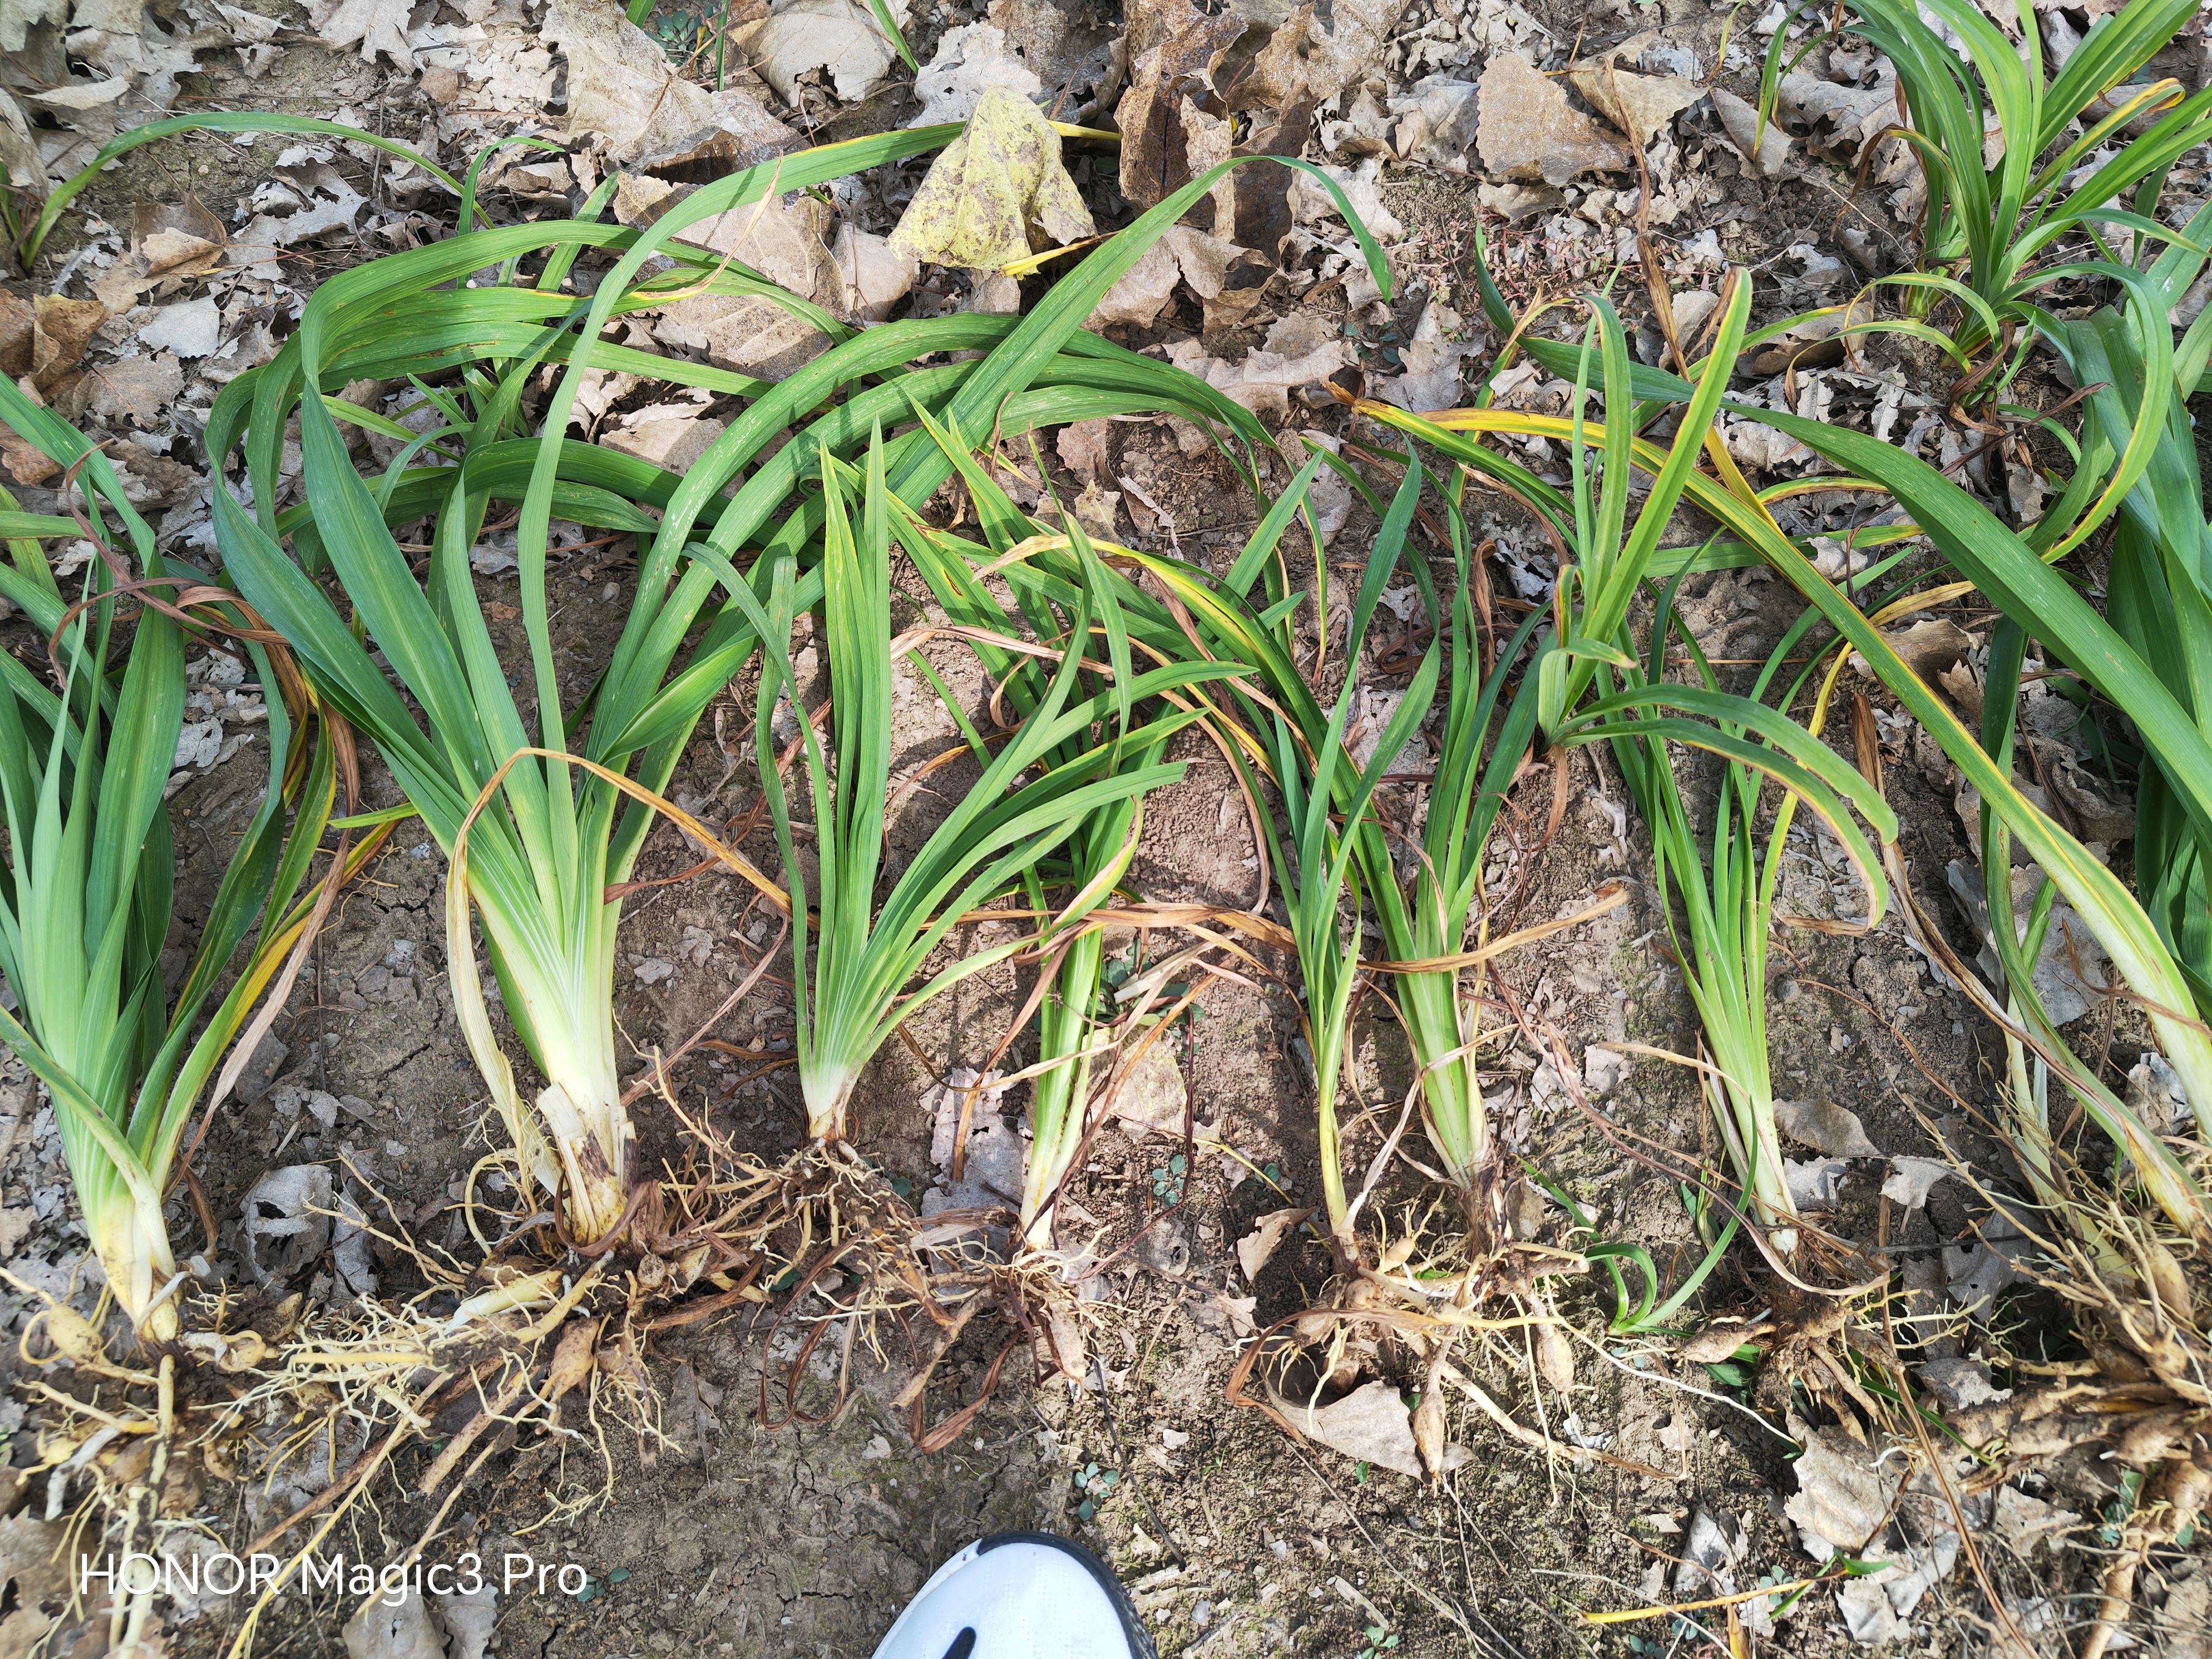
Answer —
(1911, 1179)
(2073, 972)
(1718, 1342)
(19, 322)
(288, 1222)
(1843, 1497)
(1370, 1425)
(1841, 119)
(1095, 510)
(1768, 148)
(1152, 1099)
(1555, 1359)
(383, 1630)
(1930, 647)
(786, 241)
(1437, 121)
(1961, 1383)
(1976, 1270)
(302, 196)
(1711, 1550)
(1082, 448)
(623, 91)
(191, 328)
(969, 60)
(2098, 815)
(1238, 1309)
(1815, 1183)
(1257, 1248)
(994, 188)
(137, 389)
(1061, 1352)
(876, 276)
(1169, 41)
(749, 333)
(673, 442)
(1530, 131)
(1825, 1127)
(169, 242)
(44, 338)
(34, 1570)
(19, 150)
(24, 463)
(1433, 359)
(1324, 59)
(1640, 105)
(1299, 350)
(1070, 48)
(468, 1618)
(380, 27)
(1363, 187)
(841, 36)
(2023, 1521)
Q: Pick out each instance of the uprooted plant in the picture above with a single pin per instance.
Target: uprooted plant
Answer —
(547, 845)
(87, 894)
(90, 872)
(544, 835)
(1069, 949)
(1725, 900)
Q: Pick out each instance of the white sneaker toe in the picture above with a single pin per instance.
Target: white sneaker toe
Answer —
(1019, 1595)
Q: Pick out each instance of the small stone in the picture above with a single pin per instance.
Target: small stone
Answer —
(259, 1072)
(1602, 1071)
(1659, 58)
